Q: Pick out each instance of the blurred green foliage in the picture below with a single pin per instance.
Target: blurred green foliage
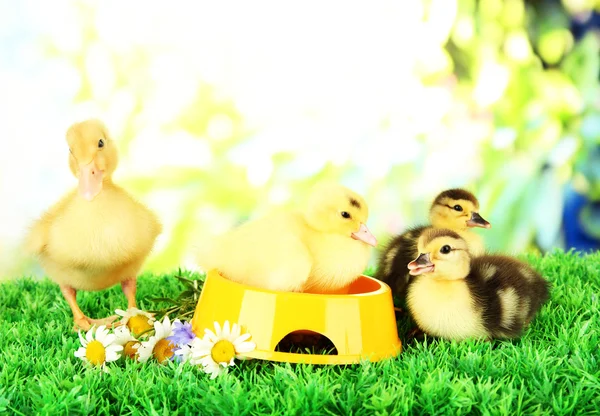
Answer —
(512, 69)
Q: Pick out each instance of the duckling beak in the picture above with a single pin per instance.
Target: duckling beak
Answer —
(90, 180)
(363, 234)
(420, 265)
(477, 221)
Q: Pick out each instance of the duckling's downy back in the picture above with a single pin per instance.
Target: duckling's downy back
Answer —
(509, 291)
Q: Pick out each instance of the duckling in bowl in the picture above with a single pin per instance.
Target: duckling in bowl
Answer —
(321, 247)
(97, 235)
(454, 209)
(456, 296)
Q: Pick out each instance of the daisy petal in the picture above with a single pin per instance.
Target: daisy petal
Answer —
(80, 353)
(212, 337)
(101, 333)
(200, 354)
(109, 339)
(203, 345)
(243, 357)
(235, 331)
(158, 329)
(82, 339)
(214, 370)
(217, 328)
(226, 330)
(114, 347)
(88, 336)
(112, 356)
(206, 361)
(242, 338)
(245, 347)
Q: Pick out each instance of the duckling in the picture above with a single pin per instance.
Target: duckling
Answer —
(97, 235)
(455, 209)
(319, 248)
(456, 296)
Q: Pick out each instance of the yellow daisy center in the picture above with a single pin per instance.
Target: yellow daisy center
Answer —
(128, 349)
(222, 352)
(138, 324)
(163, 350)
(95, 353)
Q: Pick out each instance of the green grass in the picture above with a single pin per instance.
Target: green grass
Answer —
(553, 369)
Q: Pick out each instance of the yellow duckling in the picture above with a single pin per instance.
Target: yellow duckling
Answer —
(320, 248)
(456, 296)
(454, 209)
(97, 235)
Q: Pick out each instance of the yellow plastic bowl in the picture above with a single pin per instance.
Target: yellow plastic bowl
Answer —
(360, 323)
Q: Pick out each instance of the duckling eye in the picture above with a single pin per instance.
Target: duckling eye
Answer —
(100, 144)
(346, 215)
(445, 249)
(457, 208)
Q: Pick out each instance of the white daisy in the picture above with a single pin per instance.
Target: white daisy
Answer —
(136, 320)
(184, 353)
(157, 345)
(217, 350)
(98, 348)
(129, 343)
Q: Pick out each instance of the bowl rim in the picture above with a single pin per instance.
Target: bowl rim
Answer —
(383, 288)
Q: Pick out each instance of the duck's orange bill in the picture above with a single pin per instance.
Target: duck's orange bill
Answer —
(363, 234)
(90, 180)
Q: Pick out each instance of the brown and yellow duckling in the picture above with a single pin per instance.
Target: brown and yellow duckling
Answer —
(456, 296)
(454, 209)
(97, 235)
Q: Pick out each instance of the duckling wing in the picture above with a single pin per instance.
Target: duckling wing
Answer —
(38, 235)
(267, 253)
(337, 261)
(392, 267)
(509, 291)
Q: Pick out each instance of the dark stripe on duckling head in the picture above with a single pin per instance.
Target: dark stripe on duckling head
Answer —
(433, 233)
(354, 202)
(456, 193)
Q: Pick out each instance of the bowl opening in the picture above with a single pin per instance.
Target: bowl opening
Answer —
(364, 285)
(306, 342)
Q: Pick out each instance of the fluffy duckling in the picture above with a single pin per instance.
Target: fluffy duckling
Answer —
(97, 235)
(454, 209)
(320, 248)
(455, 296)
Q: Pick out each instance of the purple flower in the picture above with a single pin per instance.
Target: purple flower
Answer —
(182, 333)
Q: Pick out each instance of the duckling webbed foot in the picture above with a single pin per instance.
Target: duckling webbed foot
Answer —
(81, 321)
(84, 323)
(109, 321)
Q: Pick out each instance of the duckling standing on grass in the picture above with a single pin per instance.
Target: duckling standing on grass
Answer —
(98, 235)
(320, 248)
(454, 209)
(455, 296)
